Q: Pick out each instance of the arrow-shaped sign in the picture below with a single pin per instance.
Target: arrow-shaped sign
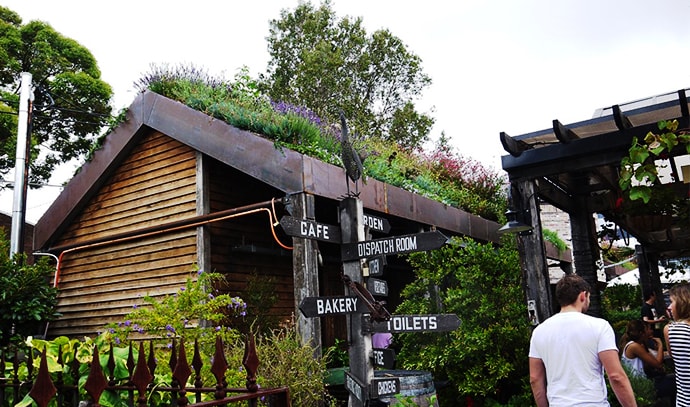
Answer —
(355, 387)
(376, 223)
(381, 387)
(312, 307)
(310, 229)
(377, 287)
(417, 242)
(375, 265)
(412, 323)
(383, 357)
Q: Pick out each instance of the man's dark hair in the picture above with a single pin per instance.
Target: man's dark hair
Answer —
(569, 287)
(648, 294)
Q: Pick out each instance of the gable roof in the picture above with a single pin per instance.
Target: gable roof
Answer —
(283, 169)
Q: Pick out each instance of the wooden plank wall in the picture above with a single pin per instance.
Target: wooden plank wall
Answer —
(154, 185)
(243, 248)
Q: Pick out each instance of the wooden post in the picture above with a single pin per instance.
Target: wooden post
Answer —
(305, 269)
(532, 251)
(361, 367)
(586, 251)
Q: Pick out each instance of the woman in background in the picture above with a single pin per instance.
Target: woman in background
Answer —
(645, 362)
(677, 335)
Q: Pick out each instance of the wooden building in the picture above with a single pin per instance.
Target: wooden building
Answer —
(172, 187)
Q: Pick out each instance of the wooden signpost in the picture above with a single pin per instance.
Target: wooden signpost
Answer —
(384, 358)
(313, 307)
(359, 380)
(310, 229)
(387, 246)
(381, 387)
(377, 287)
(414, 323)
(376, 223)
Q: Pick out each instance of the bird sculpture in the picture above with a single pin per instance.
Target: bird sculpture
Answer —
(351, 160)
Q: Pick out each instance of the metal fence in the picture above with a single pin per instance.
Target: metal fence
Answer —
(137, 389)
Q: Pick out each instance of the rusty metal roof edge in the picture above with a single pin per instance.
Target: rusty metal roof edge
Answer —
(389, 199)
(89, 176)
(148, 111)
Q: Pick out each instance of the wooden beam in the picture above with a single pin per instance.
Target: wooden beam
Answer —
(563, 134)
(683, 100)
(622, 121)
(512, 146)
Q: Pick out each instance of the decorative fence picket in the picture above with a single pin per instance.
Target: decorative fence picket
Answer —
(42, 388)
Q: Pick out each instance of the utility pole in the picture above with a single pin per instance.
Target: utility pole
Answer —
(20, 166)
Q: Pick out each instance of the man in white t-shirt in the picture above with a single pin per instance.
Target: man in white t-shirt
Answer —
(569, 352)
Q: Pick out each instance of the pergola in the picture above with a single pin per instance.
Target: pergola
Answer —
(575, 167)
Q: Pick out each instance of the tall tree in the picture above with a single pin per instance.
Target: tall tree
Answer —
(71, 102)
(326, 64)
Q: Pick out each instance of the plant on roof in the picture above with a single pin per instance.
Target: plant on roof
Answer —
(439, 173)
(643, 188)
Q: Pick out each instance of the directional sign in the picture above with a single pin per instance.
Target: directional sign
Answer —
(319, 306)
(383, 357)
(381, 387)
(355, 387)
(375, 265)
(377, 287)
(376, 223)
(310, 229)
(413, 323)
(418, 242)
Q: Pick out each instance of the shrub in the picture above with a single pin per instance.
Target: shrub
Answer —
(486, 356)
(27, 299)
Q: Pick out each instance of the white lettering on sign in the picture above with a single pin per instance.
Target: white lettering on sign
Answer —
(372, 222)
(387, 246)
(336, 305)
(374, 267)
(353, 387)
(378, 357)
(386, 387)
(314, 230)
(413, 323)
(380, 286)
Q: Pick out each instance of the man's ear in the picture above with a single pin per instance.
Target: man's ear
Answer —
(583, 296)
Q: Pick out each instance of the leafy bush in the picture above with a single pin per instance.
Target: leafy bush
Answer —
(645, 392)
(27, 299)
(486, 356)
(198, 313)
(621, 303)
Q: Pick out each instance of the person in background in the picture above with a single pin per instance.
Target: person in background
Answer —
(677, 335)
(569, 352)
(650, 315)
(645, 362)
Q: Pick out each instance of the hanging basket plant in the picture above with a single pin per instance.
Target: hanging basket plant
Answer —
(654, 203)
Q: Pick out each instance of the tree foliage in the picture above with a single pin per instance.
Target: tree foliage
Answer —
(325, 63)
(71, 102)
(487, 355)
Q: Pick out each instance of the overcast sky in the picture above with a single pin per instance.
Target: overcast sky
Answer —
(502, 65)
